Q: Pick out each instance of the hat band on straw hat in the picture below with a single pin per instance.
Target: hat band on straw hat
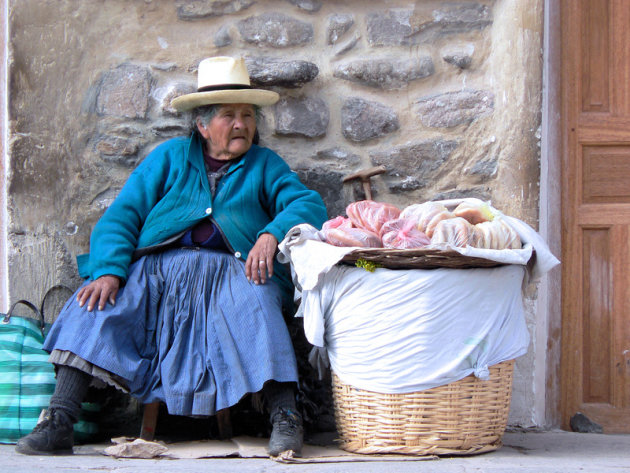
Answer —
(224, 95)
(210, 88)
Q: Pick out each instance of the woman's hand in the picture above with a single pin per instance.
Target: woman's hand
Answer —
(259, 264)
(100, 290)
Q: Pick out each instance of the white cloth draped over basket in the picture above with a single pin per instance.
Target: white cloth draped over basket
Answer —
(400, 331)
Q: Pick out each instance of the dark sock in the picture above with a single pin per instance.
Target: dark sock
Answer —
(71, 388)
(279, 395)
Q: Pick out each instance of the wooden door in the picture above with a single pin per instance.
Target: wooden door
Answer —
(595, 121)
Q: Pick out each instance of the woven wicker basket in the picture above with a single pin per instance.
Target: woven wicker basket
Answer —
(466, 417)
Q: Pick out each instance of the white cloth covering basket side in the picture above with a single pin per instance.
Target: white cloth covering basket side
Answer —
(409, 330)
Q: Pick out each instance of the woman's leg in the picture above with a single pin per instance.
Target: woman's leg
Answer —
(54, 434)
(287, 430)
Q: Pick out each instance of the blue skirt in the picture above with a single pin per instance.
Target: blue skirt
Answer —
(187, 329)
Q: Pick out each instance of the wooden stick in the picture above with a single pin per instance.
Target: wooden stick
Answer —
(364, 175)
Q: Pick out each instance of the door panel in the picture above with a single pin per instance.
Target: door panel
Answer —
(606, 174)
(596, 303)
(596, 212)
(595, 46)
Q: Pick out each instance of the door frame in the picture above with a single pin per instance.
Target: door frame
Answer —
(548, 328)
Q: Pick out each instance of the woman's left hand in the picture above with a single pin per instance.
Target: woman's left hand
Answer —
(259, 264)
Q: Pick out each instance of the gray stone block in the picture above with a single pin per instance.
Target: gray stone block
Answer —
(267, 72)
(124, 92)
(306, 116)
(389, 28)
(347, 45)
(385, 73)
(338, 25)
(414, 165)
(222, 37)
(117, 149)
(460, 60)
(460, 18)
(404, 26)
(363, 120)
(198, 9)
(485, 168)
(452, 19)
(308, 5)
(275, 30)
(456, 18)
(454, 108)
(164, 66)
(406, 184)
(165, 95)
(104, 199)
(337, 158)
(125, 129)
(329, 184)
(459, 57)
(170, 128)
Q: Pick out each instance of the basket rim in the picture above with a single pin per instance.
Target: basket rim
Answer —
(418, 258)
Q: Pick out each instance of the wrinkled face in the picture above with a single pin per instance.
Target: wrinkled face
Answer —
(230, 132)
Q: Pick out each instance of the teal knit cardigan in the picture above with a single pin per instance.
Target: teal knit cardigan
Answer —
(169, 193)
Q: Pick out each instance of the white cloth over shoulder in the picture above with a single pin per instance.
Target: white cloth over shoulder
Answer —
(396, 331)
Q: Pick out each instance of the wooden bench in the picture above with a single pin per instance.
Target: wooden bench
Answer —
(150, 417)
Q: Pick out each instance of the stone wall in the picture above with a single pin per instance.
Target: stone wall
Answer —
(446, 95)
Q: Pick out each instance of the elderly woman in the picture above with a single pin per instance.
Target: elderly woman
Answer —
(184, 300)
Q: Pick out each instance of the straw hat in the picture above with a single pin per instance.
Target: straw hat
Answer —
(223, 79)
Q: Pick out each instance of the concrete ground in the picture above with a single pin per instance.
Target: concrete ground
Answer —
(545, 452)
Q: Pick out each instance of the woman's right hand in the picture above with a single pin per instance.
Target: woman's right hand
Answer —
(100, 290)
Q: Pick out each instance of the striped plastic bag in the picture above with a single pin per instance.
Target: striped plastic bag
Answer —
(27, 379)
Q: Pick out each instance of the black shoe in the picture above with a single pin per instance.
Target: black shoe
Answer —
(54, 435)
(287, 433)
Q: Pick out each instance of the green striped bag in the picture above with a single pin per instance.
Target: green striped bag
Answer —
(27, 379)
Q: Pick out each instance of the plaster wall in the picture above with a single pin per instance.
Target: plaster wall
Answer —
(90, 81)
(4, 31)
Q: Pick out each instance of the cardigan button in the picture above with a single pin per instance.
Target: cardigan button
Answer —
(208, 210)
(237, 254)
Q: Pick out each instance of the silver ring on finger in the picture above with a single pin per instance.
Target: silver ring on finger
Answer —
(261, 262)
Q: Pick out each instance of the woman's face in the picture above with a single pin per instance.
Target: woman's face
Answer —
(231, 131)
